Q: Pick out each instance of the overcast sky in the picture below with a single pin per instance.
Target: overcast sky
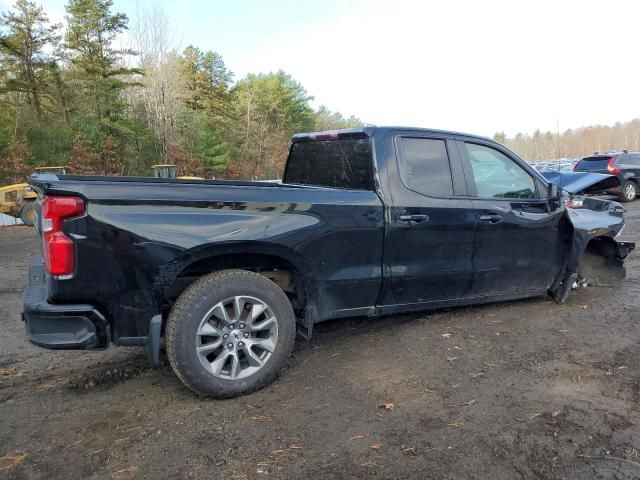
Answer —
(474, 66)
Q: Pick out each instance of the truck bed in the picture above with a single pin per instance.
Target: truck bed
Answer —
(141, 239)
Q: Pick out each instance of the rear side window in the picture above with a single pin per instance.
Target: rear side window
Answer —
(333, 163)
(424, 166)
(628, 160)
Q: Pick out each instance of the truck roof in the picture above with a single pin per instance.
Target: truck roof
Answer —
(363, 132)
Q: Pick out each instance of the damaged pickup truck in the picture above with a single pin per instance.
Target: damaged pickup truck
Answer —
(370, 221)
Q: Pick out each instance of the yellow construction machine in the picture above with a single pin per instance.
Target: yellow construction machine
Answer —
(169, 171)
(17, 200)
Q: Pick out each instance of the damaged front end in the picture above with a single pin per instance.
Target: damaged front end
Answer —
(596, 253)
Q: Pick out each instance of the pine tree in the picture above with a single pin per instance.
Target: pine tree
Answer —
(207, 81)
(26, 33)
(500, 137)
(325, 119)
(96, 65)
(271, 107)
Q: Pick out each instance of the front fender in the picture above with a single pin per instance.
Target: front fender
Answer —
(593, 247)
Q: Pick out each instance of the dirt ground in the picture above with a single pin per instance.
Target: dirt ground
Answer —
(525, 389)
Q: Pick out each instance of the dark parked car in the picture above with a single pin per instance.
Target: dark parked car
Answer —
(366, 221)
(624, 164)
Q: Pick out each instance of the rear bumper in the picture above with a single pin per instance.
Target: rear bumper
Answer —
(63, 327)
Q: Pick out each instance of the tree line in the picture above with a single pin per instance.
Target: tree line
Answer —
(73, 95)
(574, 143)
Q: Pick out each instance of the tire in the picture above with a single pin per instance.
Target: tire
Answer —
(197, 324)
(28, 214)
(629, 191)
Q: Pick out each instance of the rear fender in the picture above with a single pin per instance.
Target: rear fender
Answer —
(170, 272)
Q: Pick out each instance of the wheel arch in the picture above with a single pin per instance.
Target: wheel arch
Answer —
(278, 263)
(601, 263)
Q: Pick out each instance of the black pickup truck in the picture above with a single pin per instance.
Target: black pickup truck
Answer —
(366, 222)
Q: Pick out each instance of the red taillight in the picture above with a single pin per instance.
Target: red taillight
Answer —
(59, 250)
(611, 167)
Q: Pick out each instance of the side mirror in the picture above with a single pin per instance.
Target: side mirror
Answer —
(553, 191)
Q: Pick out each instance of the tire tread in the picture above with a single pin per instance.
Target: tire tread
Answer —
(186, 301)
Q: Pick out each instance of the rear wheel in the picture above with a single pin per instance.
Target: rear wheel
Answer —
(28, 214)
(230, 333)
(629, 191)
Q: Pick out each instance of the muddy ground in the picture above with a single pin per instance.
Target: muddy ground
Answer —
(525, 389)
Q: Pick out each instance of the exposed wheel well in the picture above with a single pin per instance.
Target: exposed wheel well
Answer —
(604, 246)
(278, 270)
(600, 265)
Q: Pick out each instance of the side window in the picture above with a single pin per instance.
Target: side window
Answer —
(424, 166)
(496, 175)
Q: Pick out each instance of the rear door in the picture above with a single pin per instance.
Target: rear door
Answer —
(431, 223)
(518, 238)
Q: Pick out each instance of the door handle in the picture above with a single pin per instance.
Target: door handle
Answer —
(413, 219)
(492, 219)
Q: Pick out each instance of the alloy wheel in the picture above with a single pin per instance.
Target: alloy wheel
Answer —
(237, 337)
(630, 191)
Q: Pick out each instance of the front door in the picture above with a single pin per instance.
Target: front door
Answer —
(518, 241)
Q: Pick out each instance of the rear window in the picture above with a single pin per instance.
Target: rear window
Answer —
(343, 163)
(593, 163)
